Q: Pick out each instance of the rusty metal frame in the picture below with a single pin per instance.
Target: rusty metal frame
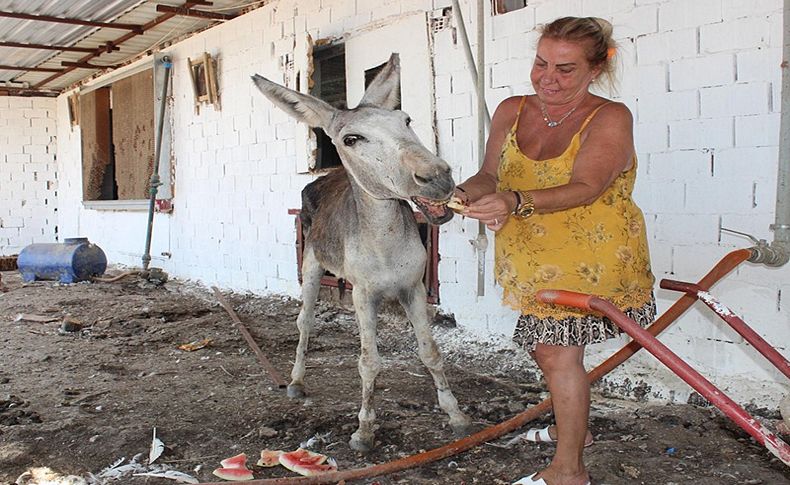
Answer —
(108, 47)
(191, 12)
(158, 20)
(138, 29)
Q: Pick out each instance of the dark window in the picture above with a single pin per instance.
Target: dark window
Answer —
(505, 6)
(328, 84)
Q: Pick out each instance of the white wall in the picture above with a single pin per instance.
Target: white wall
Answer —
(702, 79)
(28, 173)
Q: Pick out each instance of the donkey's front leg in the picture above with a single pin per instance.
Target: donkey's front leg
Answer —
(311, 283)
(413, 301)
(366, 307)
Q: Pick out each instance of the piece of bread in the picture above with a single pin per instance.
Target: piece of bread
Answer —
(456, 204)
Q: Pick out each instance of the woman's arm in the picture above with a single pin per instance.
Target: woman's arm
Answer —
(485, 180)
(606, 150)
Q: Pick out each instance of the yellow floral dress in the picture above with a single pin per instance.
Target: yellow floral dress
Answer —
(600, 249)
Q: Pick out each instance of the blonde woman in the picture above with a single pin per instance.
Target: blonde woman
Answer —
(556, 187)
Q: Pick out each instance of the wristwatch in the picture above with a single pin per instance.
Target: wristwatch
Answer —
(525, 206)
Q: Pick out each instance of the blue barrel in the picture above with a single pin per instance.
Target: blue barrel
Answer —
(74, 260)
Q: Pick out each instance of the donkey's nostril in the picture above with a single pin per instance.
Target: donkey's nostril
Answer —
(421, 180)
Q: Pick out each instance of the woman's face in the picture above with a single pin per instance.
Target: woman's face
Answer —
(561, 73)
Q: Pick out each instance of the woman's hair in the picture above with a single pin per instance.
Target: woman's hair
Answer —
(595, 34)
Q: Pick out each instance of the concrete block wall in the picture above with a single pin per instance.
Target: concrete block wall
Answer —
(706, 108)
(28, 173)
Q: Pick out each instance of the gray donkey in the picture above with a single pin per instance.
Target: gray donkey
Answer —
(359, 226)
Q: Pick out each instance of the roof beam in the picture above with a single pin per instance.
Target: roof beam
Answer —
(34, 69)
(129, 35)
(12, 91)
(87, 65)
(47, 18)
(191, 12)
(58, 47)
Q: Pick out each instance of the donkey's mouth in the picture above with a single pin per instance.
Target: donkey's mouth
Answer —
(434, 210)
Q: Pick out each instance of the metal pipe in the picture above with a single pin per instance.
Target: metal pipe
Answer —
(781, 226)
(714, 395)
(480, 243)
(733, 320)
(470, 59)
(155, 181)
(722, 268)
(482, 238)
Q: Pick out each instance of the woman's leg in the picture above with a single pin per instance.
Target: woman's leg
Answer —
(563, 369)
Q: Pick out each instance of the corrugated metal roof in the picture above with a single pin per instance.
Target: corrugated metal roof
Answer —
(136, 12)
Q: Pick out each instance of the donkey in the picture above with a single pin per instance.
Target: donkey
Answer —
(359, 225)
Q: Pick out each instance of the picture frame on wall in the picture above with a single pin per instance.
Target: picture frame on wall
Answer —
(204, 81)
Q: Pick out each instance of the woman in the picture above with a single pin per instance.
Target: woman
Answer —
(556, 187)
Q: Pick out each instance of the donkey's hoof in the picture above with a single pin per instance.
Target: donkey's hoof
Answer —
(295, 391)
(362, 445)
(461, 427)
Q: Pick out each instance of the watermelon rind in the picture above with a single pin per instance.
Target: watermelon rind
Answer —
(306, 463)
(233, 474)
(238, 461)
(269, 458)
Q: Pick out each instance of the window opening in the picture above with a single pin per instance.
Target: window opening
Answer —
(117, 125)
(328, 83)
(504, 6)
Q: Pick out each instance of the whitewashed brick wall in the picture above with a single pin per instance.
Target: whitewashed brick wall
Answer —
(28, 173)
(702, 79)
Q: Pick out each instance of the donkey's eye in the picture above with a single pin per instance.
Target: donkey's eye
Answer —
(350, 140)
(408, 121)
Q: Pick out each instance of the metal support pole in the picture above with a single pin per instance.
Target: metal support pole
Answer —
(470, 59)
(480, 243)
(714, 395)
(733, 320)
(781, 225)
(155, 181)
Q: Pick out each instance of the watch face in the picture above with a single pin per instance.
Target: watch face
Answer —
(526, 211)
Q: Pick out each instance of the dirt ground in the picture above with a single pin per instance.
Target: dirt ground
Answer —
(78, 400)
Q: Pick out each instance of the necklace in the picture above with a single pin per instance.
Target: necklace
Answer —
(551, 123)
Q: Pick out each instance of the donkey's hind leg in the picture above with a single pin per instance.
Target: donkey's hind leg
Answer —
(311, 283)
(414, 303)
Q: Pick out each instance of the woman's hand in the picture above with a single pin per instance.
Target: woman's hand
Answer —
(492, 210)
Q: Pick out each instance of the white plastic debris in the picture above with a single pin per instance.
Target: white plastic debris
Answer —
(157, 447)
(170, 475)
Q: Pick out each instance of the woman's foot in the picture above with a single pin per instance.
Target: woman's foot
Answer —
(553, 477)
(549, 435)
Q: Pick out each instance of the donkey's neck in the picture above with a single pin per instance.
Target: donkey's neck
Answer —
(380, 217)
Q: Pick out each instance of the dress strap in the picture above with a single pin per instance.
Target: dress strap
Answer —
(591, 115)
(518, 114)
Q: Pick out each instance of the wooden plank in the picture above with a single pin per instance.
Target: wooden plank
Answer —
(96, 145)
(133, 134)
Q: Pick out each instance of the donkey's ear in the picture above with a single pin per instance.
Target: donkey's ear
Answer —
(303, 107)
(384, 90)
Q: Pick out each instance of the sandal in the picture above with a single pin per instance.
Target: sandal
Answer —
(542, 435)
(528, 480)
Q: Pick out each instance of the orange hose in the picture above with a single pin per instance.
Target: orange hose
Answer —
(727, 264)
(115, 278)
